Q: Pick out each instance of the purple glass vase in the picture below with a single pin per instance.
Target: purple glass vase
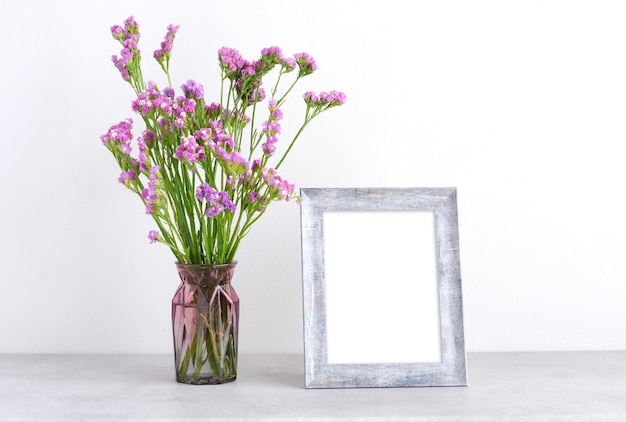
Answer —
(205, 322)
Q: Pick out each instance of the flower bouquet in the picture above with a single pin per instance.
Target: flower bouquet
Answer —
(203, 170)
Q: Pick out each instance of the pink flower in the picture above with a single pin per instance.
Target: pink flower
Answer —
(189, 150)
(193, 89)
(126, 177)
(154, 236)
(120, 136)
(271, 128)
(305, 63)
(217, 202)
(230, 59)
(164, 53)
(329, 99)
(150, 194)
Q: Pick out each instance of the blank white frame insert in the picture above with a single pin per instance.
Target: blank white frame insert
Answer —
(377, 284)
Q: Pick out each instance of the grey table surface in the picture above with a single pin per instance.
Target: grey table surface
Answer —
(534, 386)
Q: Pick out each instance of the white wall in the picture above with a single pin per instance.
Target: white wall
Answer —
(519, 104)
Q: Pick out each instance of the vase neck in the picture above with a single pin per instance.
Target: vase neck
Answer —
(206, 275)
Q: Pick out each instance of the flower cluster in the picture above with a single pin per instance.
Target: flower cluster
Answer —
(128, 63)
(119, 136)
(217, 202)
(163, 54)
(324, 99)
(271, 128)
(306, 63)
(150, 195)
(202, 169)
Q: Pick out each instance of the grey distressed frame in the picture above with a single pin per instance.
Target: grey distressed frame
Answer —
(451, 371)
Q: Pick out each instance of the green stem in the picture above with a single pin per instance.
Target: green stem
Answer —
(293, 141)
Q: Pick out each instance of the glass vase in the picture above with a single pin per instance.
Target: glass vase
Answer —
(205, 322)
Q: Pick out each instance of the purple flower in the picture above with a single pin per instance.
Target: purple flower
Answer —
(257, 164)
(279, 187)
(179, 121)
(131, 26)
(270, 57)
(189, 150)
(249, 70)
(169, 92)
(129, 37)
(288, 64)
(120, 64)
(181, 109)
(126, 177)
(271, 128)
(188, 105)
(192, 89)
(311, 98)
(150, 194)
(274, 52)
(276, 113)
(228, 205)
(119, 136)
(217, 202)
(233, 162)
(154, 236)
(150, 100)
(164, 53)
(205, 192)
(329, 99)
(305, 63)
(333, 98)
(129, 31)
(147, 137)
(213, 110)
(118, 32)
(214, 210)
(230, 59)
(269, 146)
(257, 95)
(226, 202)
